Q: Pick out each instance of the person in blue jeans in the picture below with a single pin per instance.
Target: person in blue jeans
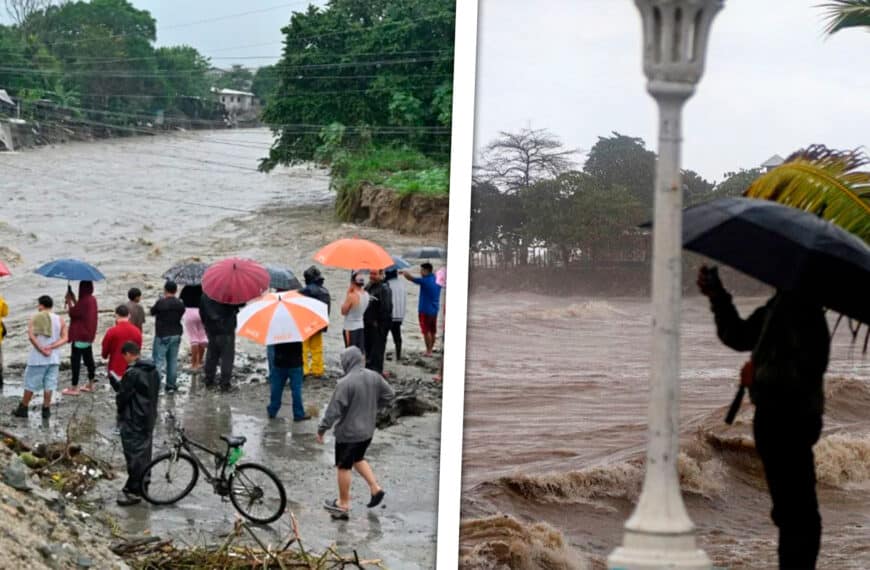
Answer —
(168, 312)
(285, 363)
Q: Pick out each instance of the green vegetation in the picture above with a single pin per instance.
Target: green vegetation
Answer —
(96, 62)
(365, 88)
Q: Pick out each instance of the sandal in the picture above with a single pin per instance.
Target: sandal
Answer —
(332, 507)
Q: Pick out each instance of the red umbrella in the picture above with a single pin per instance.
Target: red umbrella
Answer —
(4, 271)
(235, 281)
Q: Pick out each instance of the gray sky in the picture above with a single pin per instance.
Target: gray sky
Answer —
(252, 39)
(772, 84)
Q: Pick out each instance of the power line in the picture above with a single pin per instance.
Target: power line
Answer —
(186, 72)
(230, 16)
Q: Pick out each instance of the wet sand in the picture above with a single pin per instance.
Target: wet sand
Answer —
(198, 195)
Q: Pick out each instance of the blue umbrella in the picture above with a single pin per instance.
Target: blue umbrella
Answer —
(71, 270)
(398, 263)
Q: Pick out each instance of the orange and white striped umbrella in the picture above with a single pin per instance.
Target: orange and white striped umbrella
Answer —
(276, 318)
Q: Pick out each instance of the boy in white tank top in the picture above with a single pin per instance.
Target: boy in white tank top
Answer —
(43, 362)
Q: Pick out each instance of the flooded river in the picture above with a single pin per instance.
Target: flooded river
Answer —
(134, 207)
(555, 430)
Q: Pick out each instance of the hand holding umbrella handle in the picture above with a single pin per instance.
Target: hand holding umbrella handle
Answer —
(735, 405)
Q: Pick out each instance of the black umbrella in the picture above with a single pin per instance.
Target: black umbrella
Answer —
(785, 247)
(425, 253)
(186, 273)
(282, 278)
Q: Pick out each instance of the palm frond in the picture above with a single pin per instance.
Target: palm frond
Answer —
(826, 182)
(842, 14)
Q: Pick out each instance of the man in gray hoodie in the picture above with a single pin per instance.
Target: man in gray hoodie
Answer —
(354, 409)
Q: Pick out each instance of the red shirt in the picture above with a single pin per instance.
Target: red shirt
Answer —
(114, 340)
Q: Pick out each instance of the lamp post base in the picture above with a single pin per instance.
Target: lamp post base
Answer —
(648, 551)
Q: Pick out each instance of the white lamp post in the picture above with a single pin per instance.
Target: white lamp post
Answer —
(659, 533)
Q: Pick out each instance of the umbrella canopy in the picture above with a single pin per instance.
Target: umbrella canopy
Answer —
(426, 253)
(4, 271)
(282, 278)
(71, 270)
(354, 253)
(398, 263)
(784, 247)
(277, 318)
(186, 273)
(235, 281)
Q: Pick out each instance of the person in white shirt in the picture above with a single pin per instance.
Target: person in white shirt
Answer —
(47, 333)
(397, 286)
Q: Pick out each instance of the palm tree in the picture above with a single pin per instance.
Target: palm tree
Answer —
(842, 14)
(825, 182)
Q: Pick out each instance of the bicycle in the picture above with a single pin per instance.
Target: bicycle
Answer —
(245, 484)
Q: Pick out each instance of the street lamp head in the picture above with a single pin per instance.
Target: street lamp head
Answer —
(675, 34)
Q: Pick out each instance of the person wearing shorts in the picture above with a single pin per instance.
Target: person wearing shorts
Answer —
(353, 409)
(47, 333)
(428, 305)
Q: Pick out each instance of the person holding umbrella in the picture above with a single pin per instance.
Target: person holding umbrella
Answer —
(353, 309)
(82, 332)
(790, 343)
(219, 322)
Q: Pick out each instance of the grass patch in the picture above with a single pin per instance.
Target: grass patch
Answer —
(405, 170)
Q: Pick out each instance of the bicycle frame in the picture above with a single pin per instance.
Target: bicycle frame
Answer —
(181, 441)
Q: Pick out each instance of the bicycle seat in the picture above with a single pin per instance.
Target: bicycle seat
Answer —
(234, 440)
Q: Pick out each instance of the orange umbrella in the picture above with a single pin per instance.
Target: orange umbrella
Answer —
(276, 318)
(354, 253)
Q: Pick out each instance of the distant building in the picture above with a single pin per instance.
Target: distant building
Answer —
(772, 163)
(236, 102)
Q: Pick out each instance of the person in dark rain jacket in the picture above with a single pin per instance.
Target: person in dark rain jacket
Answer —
(790, 345)
(378, 320)
(137, 397)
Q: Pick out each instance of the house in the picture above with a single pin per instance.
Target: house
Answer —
(772, 163)
(236, 103)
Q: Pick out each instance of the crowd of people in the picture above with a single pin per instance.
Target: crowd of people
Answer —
(372, 311)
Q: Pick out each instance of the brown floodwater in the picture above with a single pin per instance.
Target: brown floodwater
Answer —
(555, 430)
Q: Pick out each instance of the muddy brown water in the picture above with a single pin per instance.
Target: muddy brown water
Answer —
(555, 429)
(134, 207)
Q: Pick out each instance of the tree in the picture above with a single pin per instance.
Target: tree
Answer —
(843, 14)
(696, 188)
(21, 10)
(623, 161)
(826, 182)
(185, 73)
(515, 161)
(237, 77)
(265, 83)
(736, 183)
(381, 68)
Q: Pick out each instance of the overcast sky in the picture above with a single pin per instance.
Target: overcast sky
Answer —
(773, 83)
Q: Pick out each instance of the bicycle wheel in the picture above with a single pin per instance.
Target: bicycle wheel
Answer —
(170, 478)
(257, 493)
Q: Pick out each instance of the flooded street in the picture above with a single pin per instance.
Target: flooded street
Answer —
(555, 429)
(133, 208)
